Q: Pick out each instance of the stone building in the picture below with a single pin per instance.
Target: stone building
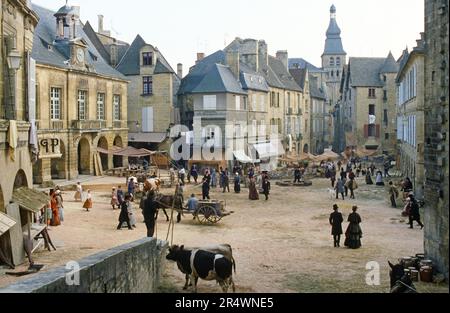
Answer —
(368, 105)
(81, 100)
(320, 117)
(436, 215)
(17, 114)
(152, 89)
(410, 116)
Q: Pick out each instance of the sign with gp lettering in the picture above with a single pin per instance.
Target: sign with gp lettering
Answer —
(49, 148)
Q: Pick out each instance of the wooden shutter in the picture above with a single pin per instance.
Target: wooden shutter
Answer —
(378, 131)
(366, 131)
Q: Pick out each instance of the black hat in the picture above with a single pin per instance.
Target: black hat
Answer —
(335, 207)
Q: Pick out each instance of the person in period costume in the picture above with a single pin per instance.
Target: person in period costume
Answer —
(336, 220)
(131, 187)
(226, 181)
(205, 188)
(131, 215)
(343, 173)
(78, 193)
(114, 199)
(340, 189)
(182, 176)
(266, 187)
(88, 203)
(150, 210)
(369, 180)
(213, 178)
(120, 195)
(194, 173)
(339, 164)
(124, 216)
(192, 203)
(297, 175)
(333, 177)
(237, 183)
(351, 184)
(414, 212)
(379, 179)
(59, 204)
(354, 233)
(55, 212)
(393, 194)
(407, 187)
(253, 192)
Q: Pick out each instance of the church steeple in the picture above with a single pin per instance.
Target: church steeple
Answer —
(333, 43)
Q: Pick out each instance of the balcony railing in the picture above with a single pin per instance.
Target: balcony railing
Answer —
(57, 125)
(120, 124)
(88, 125)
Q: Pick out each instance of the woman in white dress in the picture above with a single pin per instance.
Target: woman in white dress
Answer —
(132, 215)
(78, 193)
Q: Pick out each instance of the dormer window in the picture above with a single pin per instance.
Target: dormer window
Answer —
(147, 58)
(331, 61)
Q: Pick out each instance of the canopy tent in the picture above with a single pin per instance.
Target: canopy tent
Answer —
(242, 157)
(269, 149)
(328, 155)
(362, 153)
(128, 152)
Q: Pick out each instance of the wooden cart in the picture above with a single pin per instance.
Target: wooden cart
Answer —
(210, 212)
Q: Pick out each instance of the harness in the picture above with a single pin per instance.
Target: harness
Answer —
(405, 285)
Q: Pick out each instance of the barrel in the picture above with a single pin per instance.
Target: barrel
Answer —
(426, 263)
(426, 274)
(415, 275)
(407, 262)
(420, 256)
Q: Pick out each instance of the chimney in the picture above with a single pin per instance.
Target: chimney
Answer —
(180, 70)
(100, 24)
(263, 53)
(200, 56)
(232, 60)
(283, 57)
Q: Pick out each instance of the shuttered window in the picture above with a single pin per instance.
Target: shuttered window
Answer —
(82, 105)
(101, 106)
(147, 119)
(55, 104)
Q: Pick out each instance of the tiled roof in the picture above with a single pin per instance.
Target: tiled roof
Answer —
(47, 51)
(130, 62)
(315, 89)
(365, 72)
(299, 75)
(219, 79)
(302, 63)
(390, 65)
(283, 74)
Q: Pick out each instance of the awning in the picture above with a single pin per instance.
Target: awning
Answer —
(242, 157)
(127, 152)
(29, 199)
(147, 137)
(6, 223)
(269, 149)
(328, 155)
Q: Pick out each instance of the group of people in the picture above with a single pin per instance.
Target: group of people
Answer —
(345, 183)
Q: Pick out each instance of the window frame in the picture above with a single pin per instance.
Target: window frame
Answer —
(147, 56)
(53, 114)
(117, 107)
(101, 116)
(85, 115)
(147, 85)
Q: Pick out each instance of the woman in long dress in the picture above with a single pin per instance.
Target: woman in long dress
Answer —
(237, 183)
(114, 199)
(79, 193)
(354, 233)
(55, 212)
(254, 195)
(88, 203)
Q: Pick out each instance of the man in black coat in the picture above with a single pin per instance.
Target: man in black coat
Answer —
(266, 187)
(124, 217)
(414, 212)
(205, 188)
(149, 211)
(336, 220)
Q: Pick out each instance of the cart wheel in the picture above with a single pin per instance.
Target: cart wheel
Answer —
(207, 215)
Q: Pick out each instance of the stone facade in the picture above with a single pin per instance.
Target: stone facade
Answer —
(132, 268)
(16, 35)
(410, 117)
(436, 217)
(70, 132)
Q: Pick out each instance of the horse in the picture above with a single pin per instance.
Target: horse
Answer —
(400, 282)
(167, 202)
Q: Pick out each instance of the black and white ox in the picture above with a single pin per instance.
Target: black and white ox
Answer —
(215, 264)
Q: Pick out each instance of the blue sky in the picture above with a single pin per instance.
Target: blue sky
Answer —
(181, 28)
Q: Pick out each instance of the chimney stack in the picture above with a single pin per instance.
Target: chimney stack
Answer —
(232, 59)
(283, 57)
(180, 70)
(100, 24)
(200, 56)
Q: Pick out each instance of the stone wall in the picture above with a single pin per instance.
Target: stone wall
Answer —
(436, 215)
(132, 268)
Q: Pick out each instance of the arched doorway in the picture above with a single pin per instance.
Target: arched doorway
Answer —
(84, 157)
(306, 148)
(20, 180)
(103, 143)
(118, 160)
(58, 166)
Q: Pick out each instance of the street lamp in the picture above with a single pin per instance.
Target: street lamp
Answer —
(13, 59)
